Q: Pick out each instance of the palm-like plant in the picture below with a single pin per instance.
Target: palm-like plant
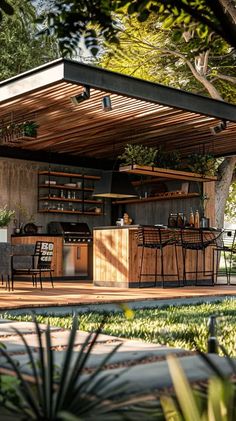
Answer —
(52, 394)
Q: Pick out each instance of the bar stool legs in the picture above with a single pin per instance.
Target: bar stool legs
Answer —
(156, 239)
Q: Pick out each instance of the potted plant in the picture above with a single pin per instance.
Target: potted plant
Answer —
(204, 164)
(5, 218)
(139, 155)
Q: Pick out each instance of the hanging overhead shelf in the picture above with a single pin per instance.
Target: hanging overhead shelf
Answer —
(164, 173)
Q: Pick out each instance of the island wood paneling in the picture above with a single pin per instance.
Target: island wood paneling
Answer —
(57, 252)
(116, 260)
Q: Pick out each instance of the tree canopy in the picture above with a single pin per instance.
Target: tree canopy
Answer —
(71, 20)
(21, 49)
(166, 56)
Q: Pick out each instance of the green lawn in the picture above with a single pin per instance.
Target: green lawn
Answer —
(183, 326)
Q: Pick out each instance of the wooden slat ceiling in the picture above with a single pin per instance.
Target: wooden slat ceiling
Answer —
(87, 130)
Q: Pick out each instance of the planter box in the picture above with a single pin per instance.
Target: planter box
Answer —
(3, 235)
(166, 173)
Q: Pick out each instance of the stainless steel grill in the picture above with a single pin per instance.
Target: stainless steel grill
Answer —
(77, 247)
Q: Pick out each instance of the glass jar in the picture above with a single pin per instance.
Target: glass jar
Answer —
(172, 220)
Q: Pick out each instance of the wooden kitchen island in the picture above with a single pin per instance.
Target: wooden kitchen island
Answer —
(116, 259)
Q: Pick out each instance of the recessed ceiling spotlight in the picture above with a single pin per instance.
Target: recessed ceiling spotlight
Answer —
(81, 97)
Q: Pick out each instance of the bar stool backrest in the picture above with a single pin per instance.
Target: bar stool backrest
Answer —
(43, 255)
(151, 236)
(198, 239)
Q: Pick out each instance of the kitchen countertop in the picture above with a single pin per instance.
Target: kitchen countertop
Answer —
(111, 227)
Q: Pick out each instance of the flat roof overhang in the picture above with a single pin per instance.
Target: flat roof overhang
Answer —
(142, 112)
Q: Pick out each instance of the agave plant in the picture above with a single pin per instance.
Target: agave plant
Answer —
(69, 394)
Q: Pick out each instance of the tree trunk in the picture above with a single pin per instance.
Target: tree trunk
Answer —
(225, 173)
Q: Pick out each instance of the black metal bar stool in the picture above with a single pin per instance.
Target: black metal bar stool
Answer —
(198, 240)
(156, 238)
(225, 248)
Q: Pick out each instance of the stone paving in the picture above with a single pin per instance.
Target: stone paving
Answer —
(147, 367)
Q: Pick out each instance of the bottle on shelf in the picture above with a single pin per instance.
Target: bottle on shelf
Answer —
(196, 220)
(180, 220)
(62, 194)
(191, 219)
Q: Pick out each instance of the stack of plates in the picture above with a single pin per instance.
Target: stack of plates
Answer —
(70, 185)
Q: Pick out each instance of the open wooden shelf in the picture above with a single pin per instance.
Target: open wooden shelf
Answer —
(68, 174)
(155, 198)
(71, 212)
(63, 187)
(51, 193)
(166, 173)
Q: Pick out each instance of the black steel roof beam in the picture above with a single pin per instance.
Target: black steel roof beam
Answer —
(55, 158)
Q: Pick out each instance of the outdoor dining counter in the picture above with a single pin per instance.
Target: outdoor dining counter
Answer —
(116, 257)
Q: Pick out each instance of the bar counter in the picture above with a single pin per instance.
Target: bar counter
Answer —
(116, 257)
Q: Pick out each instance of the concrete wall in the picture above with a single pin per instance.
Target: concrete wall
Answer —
(18, 190)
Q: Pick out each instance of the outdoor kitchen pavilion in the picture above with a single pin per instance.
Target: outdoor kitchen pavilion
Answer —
(85, 135)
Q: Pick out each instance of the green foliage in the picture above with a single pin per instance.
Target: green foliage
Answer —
(64, 392)
(138, 154)
(5, 7)
(230, 214)
(73, 21)
(21, 48)
(171, 160)
(204, 164)
(183, 326)
(149, 52)
(216, 404)
(80, 21)
(5, 216)
(29, 128)
(17, 130)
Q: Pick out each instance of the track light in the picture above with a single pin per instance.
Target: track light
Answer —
(106, 103)
(219, 128)
(81, 97)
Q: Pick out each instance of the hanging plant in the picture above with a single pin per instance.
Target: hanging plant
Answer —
(13, 132)
(29, 128)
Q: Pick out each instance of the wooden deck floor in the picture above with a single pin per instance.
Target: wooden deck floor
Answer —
(72, 293)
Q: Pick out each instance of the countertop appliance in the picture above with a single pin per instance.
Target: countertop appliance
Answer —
(77, 248)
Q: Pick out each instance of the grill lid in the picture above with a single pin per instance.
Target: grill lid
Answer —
(69, 228)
